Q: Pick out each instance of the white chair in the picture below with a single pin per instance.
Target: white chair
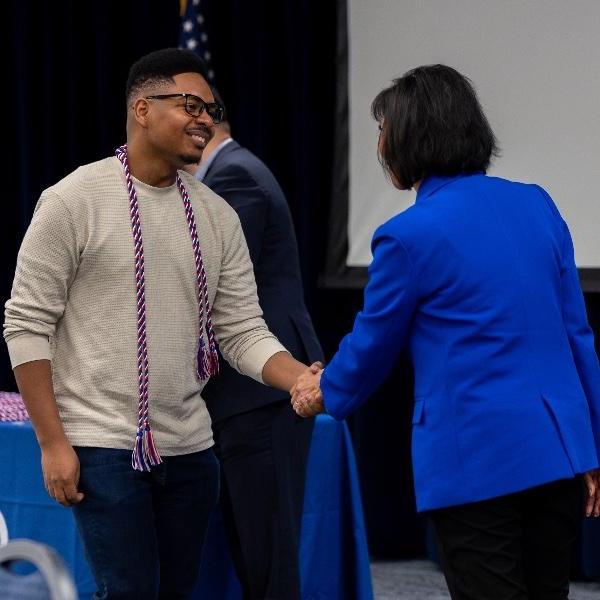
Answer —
(51, 580)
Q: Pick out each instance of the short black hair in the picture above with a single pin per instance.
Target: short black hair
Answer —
(432, 123)
(160, 67)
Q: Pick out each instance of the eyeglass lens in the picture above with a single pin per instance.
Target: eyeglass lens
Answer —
(195, 106)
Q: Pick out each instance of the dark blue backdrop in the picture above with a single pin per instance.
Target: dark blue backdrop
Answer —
(65, 69)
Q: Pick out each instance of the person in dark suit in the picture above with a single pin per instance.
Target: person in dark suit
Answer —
(478, 279)
(261, 442)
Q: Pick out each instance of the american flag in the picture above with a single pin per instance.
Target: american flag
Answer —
(192, 35)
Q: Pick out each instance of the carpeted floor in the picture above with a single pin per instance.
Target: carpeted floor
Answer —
(422, 580)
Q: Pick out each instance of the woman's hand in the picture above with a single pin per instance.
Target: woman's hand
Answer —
(592, 501)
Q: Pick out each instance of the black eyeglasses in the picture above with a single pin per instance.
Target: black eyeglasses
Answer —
(195, 106)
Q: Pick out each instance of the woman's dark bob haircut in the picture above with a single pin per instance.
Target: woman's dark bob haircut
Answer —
(432, 124)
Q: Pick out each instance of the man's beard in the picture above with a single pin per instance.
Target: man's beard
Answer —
(188, 159)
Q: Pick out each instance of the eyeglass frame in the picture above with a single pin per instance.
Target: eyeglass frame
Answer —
(204, 105)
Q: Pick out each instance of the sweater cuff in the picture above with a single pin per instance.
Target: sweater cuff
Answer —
(27, 347)
(254, 359)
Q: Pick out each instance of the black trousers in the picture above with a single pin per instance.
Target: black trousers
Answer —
(515, 547)
(263, 456)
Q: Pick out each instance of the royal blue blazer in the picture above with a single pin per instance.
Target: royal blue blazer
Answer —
(478, 279)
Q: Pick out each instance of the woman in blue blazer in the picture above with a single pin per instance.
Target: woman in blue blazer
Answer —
(478, 279)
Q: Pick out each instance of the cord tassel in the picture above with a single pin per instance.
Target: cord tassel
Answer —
(208, 360)
(145, 455)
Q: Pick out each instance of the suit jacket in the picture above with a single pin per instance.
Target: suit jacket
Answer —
(478, 278)
(247, 184)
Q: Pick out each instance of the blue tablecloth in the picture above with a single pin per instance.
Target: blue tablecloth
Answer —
(334, 561)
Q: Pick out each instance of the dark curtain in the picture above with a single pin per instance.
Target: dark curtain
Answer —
(65, 68)
(274, 66)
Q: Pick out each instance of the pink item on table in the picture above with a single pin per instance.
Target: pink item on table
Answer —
(12, 407)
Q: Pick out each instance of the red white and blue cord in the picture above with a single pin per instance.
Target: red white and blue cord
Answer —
(145, 455)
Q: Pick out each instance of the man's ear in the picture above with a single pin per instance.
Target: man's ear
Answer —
(141, 109)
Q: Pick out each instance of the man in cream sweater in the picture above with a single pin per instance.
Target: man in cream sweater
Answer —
(128, 276)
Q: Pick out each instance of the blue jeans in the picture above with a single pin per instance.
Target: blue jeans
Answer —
(143, 532)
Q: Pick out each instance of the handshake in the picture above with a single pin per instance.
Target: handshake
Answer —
(307, 399)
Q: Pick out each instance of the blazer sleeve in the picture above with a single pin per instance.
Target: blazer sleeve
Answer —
(581, 338)
(367, 354)
(241, 191)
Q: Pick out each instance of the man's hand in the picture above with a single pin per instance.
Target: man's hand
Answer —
(592, 500)
(60, 467)
(307, 399)
(60, 464)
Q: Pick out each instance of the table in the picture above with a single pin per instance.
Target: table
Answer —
(334, 561)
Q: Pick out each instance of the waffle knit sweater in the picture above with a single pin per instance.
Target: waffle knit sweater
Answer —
(73, 302)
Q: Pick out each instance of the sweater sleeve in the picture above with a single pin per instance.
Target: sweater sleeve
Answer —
(243, 337)
(46, 265)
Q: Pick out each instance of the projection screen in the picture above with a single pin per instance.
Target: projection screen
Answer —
(536, 67)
